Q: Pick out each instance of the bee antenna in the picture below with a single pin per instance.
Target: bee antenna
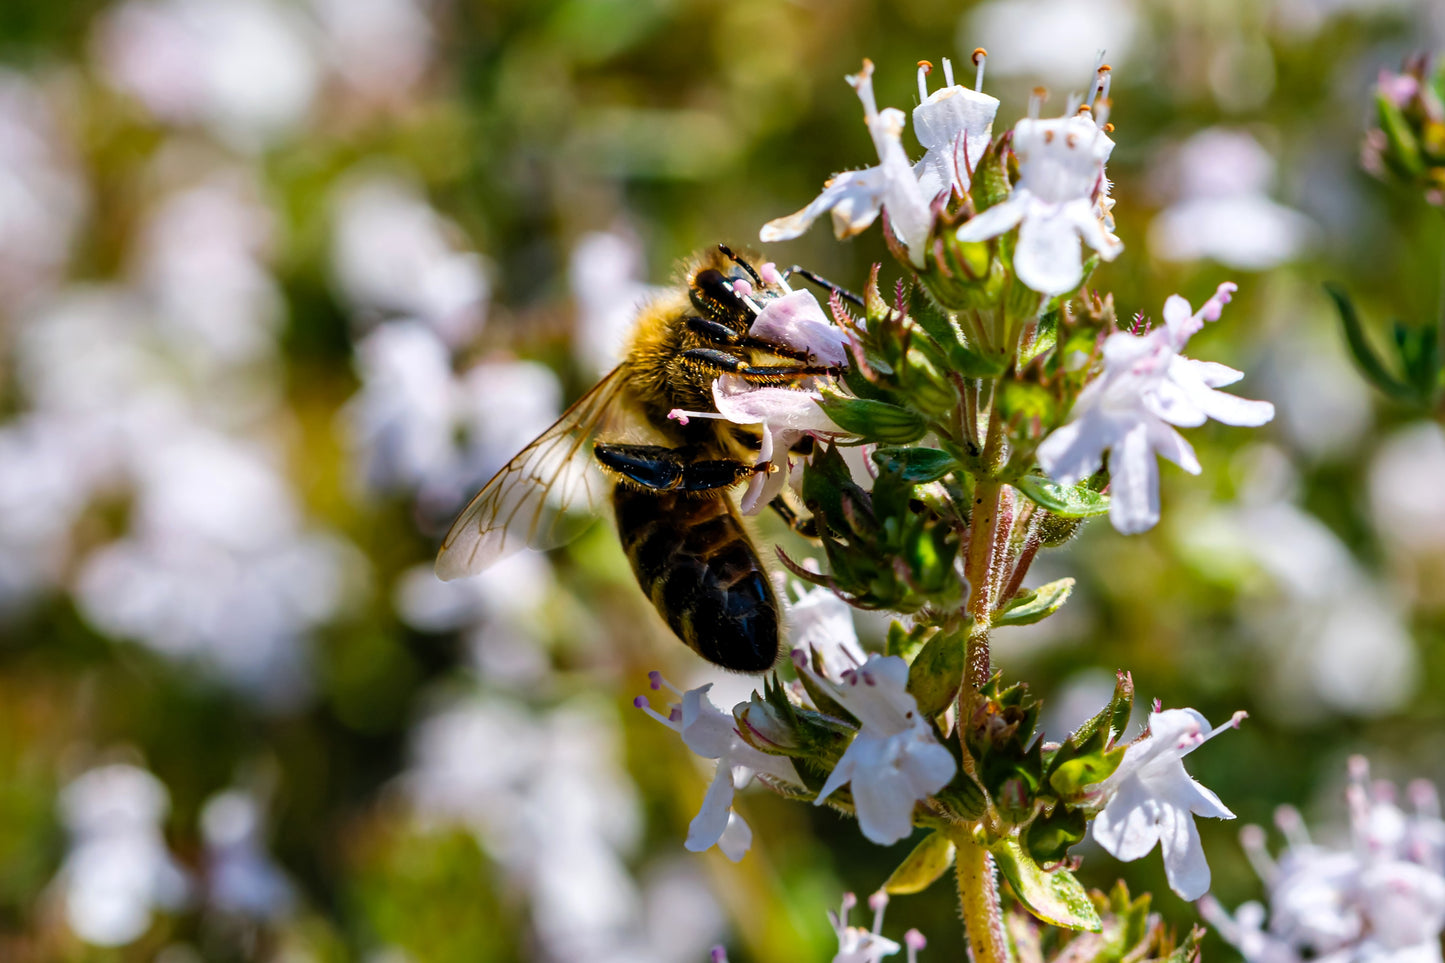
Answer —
(728, 253)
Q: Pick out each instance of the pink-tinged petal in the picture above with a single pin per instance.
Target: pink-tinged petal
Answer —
(1124, 350)
(854, 197)
(1074, 452)
(1170, 444)
(996, 220)
(1133, 483)
(1212, 308)
(1211, 373)
(793, 408)
(706, 729)
(1184, 862)
(1086, 222)
(736, 839)
(1179, 318)
(708, 825)
(1175, 404)
(1047, 257)
(1231, 409)
(797, 321)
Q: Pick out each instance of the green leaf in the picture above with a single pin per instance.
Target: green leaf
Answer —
(1055, 897)
(916, 465)
(874, 420)
(1049, 836)
(929, 860)
(1419, 350)
(1079, 501)
(1114, 716)
(936, 674)
(1404, 148)
(1069, 778)
(1370, 364)
(1035, 605)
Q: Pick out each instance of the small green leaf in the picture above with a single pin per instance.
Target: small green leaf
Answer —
(1080, 501)
(1049, 836)
(1115, 715)
(874, 420)
(1070, 778)
(1370, 364)
(1035, 605)
(916, 465)
(936, 674)
(929, 860)
(1055, 897)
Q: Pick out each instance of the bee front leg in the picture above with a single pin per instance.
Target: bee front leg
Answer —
(673, 469)
(715, 332)
(723, 363)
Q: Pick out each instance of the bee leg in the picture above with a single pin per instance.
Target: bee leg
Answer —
(720, 334)
(673, 469)
(724, 363)
(807, 527)
(824, 283)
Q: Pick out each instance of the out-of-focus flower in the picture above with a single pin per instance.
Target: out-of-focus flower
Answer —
(1409, 514)
(243, 69)
(1151, 800)
(857, 945)
(895, 759)
(1222, 210)
(856, 197)
(200, 261)
(393, 255)
(42, 197)
(954, 125)
(119, 872)
(218, 566)
(1052, 40)
(380, 48)
(605, 272)
(1313, 606)
(1147, 386)
(1055, 202)
(242, 879)
(1383, 898)
(712, 734)
(547, 799)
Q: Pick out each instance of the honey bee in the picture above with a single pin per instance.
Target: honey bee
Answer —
(680, 530)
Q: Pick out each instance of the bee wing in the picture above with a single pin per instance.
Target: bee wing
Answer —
(528, 501)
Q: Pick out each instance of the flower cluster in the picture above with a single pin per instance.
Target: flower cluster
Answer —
(1409, 144)
(1381, 897)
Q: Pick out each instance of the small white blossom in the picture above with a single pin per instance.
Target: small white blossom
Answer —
(1055, 203)
(954, 125)
(1381, 900)
(855, 198)
(712, 734)
(894, 760)
(819, 621)
(1147, 386)
(119, 871)
(1151, 800)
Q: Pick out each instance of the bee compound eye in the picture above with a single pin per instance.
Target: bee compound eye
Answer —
(713, 285)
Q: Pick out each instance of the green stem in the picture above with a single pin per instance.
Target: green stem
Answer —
(979, 902)
(978, 567)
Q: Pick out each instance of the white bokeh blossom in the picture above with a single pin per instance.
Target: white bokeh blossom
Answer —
(895, 759)
(1146, 387)
(1150, 800)
(243, 880)
(1055, 204)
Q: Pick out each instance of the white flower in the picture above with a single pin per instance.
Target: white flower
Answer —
(242, 68)
(1053, 41)
(955, 125)
(1147, 386)
(712, 734)
(118, 872)
(822, 622)
(1150, 800)
(242, 879)
(856, 197)
(1054, 204)
(895, 760)
(1381, 900)
(1222, 209)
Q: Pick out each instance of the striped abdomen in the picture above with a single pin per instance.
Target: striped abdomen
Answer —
(694, 561)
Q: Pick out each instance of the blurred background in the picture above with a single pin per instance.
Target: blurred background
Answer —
(283, 281)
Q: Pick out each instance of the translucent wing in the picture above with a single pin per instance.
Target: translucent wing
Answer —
(529, 501)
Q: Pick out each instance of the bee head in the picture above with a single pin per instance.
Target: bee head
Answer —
(725, 287)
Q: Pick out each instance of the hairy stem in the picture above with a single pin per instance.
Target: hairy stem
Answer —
(979, 902)
(978, 567)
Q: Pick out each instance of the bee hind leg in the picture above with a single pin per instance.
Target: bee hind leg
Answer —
(673, 469)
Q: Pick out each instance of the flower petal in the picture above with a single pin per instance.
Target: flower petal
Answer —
(1128, 824)
(736, 838)
(1184, 861)
(708, 826)
(1047, 257)
(996, 220)
(1134, 483)
(854, 197)
(1075, 451)
(745, 404)
(797, 321)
